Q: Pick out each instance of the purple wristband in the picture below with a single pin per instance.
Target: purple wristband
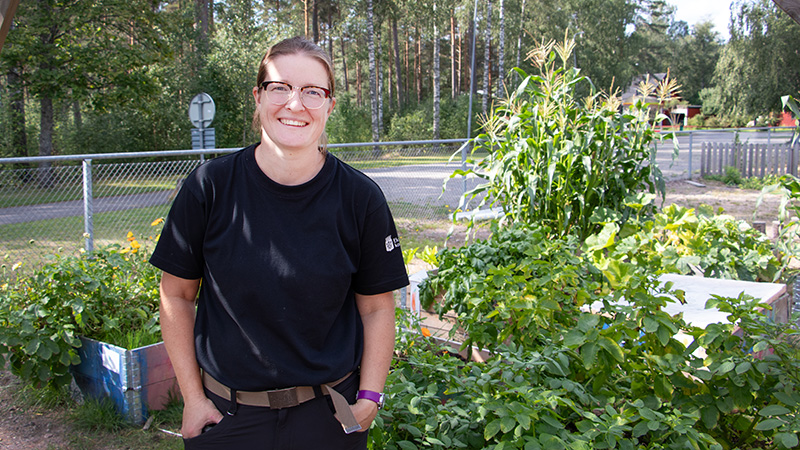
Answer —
(377, 397)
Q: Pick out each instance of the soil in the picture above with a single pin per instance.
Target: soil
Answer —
(24, 428)
(38, 428)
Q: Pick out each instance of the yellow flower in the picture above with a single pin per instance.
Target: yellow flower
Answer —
(130, 236)
(16, 266)
(158, 221)
(426, 332)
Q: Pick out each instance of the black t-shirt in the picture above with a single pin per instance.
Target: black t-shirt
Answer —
(280, 266)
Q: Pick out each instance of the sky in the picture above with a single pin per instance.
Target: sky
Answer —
(694, 11)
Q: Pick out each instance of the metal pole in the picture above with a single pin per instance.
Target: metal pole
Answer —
(471, 88)
(691, 138)
(88, 225)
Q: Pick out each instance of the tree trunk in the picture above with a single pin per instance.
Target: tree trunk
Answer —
(344, 68)
(519, 39)
(407, 65)
(390, 85)
(398, 66)
(45, 177)
(501, 52)
(379, 73)
(487, 65)
(329, 20)
(19, 135)
(305, 18)
(359, 82)
(46, 126)
(436, 76)
(453, 52)
(315, 22)
(201, 11)
(418, 70)
(76, 114)
(373, 77)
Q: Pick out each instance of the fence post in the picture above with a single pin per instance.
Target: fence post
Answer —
(88, 224)
(691, 136)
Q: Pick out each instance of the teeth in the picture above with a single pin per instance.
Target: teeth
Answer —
(295, 123)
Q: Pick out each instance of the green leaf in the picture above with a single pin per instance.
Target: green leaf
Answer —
(743, 367)
(507, 424)
(552, 422)
(725, 367)
(413, 430)
(612, 348)
(588, 321)
(406, 445)
(589, 354)
(574, 338)
(435, 441)
(773, 410)
(788, 440)
(768, 424)
(33, 346)
(663, 387)
(710, 416)
(492, 428)
(603, 239)
(641, 429)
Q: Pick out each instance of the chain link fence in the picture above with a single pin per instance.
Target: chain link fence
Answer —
(65, 204)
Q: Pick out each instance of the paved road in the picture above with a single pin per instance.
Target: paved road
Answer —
(22, 214)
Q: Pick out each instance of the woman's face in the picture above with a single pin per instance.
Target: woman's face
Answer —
(292, 126)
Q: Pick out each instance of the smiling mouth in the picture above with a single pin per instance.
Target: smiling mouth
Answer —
(293, 123)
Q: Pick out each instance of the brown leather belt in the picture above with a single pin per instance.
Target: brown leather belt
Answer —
(289, 397)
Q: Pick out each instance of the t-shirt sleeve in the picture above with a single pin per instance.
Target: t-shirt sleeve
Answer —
(381, 268)
(180, 247)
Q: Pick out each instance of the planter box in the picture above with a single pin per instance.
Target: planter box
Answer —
(135, 380)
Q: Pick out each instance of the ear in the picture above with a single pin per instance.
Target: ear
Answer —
(330, 108)
(257, 97)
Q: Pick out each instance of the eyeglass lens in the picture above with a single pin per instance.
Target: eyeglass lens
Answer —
(311, 97)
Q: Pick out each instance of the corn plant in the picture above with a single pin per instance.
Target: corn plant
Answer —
(556, 159)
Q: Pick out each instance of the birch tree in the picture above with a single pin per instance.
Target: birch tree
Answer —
(373, 75)
(436, 75)
(487, 62)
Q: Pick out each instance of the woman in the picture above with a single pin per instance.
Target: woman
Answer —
(289, 343)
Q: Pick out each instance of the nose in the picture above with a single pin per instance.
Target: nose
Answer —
(294, 102)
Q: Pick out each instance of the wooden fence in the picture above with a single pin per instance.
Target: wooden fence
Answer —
(752, 160)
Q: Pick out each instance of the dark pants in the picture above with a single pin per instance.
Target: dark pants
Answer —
(308, 426)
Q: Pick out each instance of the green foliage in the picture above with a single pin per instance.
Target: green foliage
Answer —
(557, 159)
(732, 176)
(564, 376)
(749, 81)
(679, 240)
(348, 122)
(98, 414)
(94, 295)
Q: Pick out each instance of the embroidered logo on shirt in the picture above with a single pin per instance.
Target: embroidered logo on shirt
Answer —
(391, 243)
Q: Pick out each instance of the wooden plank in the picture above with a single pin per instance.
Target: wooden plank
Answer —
(703, 160)
(764, 151)
(7, 10)
(750, 158)
(791, 7)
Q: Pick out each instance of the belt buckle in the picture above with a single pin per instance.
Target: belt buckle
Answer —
(282, 398)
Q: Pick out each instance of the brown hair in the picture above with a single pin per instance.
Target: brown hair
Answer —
(292, 46)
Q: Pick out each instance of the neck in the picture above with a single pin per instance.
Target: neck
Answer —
(288, 167)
